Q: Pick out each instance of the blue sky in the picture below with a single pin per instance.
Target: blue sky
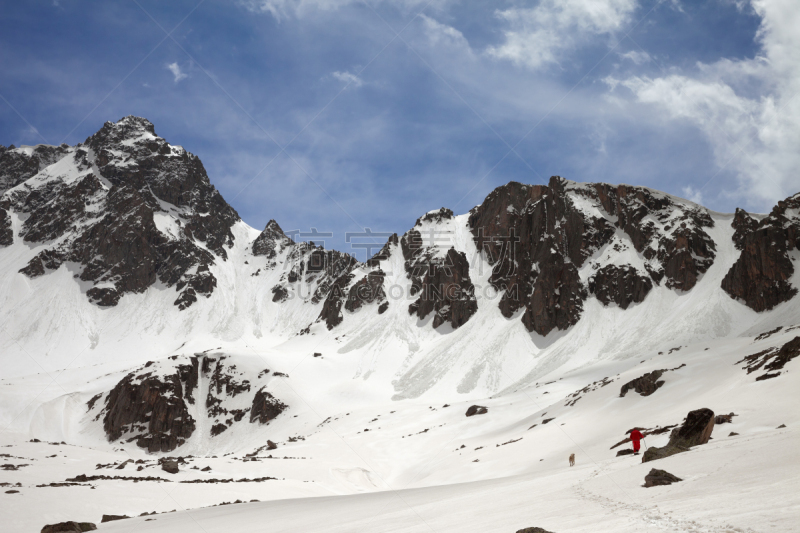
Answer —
(343, 114)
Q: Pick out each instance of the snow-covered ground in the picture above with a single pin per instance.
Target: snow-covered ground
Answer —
(426, 467)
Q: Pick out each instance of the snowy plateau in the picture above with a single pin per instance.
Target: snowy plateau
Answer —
(168, 368)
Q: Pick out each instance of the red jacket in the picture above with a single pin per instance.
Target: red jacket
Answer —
(636, 435)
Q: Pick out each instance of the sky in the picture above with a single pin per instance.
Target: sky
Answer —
(345, 115)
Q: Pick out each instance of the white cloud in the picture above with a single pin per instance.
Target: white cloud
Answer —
(177, 72)
(348, 78)
(537, 36)
(439, 33)
(747, 109)
(638, 57)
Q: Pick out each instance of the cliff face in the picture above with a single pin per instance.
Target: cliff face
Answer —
(760, 276)
(538, 237)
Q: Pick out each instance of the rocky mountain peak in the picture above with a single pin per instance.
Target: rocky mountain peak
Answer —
(126, 206)
(271, 241)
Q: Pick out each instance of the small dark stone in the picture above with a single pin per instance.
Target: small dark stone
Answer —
(659, 477)
(112, 517)
(170, 466)
(781, 426)
(724, 419)
(626, 451)
(533, 530)
(732, 434)
(477, 410)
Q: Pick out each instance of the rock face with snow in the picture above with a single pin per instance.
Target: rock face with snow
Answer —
(440, 278)
(271, 241)
(130, 209)
(19, 164)
(760, 276)
(265, 408)
(538, 237)
(156, 405)
(772, 360)
(152, 409)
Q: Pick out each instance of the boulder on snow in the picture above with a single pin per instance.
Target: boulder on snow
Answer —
(659, 477)
(477, 410)
(695, 430)
(533, 530)
(626, 451)
(271, 445)
(170, 466)
(112, 517)
(69, 527)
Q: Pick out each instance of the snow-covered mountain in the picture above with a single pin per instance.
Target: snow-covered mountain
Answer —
(140, 315)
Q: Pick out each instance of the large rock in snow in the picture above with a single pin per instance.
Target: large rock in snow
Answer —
(69, 527)
(696, 430)
(659, 477)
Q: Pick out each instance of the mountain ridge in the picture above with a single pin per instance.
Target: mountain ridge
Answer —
(126, 213)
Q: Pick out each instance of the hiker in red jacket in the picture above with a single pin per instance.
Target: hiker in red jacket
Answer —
(636, 436)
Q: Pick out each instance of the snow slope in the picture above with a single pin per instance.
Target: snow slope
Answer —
(422, 466)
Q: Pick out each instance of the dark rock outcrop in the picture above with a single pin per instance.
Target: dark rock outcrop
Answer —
(644, 385)
(265, 407)
(696, 430)
(743, 225)
(760, 276)
(626, 451)
(772, 360)
(536, 239)
(648, 383)
(477, 410)
(69, 527)
(659, 477)
(622, 285)
(151, 410)
(6, 232)
(444, 288)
